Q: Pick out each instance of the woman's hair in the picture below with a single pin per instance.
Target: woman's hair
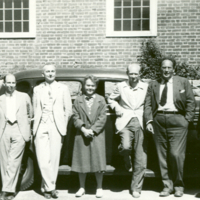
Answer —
(92, 78)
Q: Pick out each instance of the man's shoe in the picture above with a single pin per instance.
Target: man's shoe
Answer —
(80, 192)
(3, 195)
(136, 194)
(165, 193)
(54, 194)
(7, 196)
(47, 195)
(10, 197)
(178, 194)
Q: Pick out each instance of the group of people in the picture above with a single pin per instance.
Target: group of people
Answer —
(164, 108)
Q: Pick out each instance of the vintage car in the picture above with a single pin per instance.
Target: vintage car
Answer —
(108, 78)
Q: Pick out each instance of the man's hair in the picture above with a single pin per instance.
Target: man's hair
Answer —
(4, 78)
(127, 68)
(43, 69)
(170, 59)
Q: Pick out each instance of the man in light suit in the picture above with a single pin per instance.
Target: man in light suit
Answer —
(52, 110)
(15, 118)
(127, 100)
(169, 107)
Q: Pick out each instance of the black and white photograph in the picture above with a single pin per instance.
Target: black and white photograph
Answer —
(99, 99)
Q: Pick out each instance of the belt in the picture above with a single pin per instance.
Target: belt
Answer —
(169, 112)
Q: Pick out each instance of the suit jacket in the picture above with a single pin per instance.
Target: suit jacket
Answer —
(23, 114)
(182, 95)
(121, 101)
(96, 121)
(62, 106)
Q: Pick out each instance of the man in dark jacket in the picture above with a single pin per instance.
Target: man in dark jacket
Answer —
(169, 107)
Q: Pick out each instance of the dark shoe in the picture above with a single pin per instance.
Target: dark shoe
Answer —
(47, 195)
(197, 195)
(4, 195)
(10, 197)
(178, 194)
(54, 194)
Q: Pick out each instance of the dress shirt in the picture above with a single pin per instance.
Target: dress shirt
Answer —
(11, 107)
(169, 106)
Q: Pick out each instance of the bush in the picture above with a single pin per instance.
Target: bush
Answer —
(150, 58)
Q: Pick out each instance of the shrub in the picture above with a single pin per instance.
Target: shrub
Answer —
(150, 58)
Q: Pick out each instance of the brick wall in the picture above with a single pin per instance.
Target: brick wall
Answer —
(71, 33)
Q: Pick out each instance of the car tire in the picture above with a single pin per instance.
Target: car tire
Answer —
(26, 177)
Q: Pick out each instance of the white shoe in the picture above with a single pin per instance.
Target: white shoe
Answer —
(99, 193)
(136, 194)
(80, 192)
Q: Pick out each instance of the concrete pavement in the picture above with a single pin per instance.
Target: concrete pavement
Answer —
(115, 188)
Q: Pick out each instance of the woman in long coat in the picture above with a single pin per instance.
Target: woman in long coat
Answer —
(89, 116)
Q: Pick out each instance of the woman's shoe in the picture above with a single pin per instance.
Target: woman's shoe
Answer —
(99, 193)
(80, 192)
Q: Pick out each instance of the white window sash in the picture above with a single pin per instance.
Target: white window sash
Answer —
(110, 22)
(32, 25)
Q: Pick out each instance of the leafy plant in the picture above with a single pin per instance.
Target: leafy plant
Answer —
(150, 58)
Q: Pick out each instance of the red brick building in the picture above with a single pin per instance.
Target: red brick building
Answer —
(74, 33)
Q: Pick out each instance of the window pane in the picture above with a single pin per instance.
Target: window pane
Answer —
(127, 12)
(127, 25)
(26, 14)
(17, 27)
(117, 13)
(1, 14)
(117, 25)
(25, 3)
(8, 26)
(146, 13)
(118, 2)
(145, 2)
(145, 25)
(1, 4)
(8, 14)
(136, 2)
(17, 3)
(127, 2)
(136, 13)
(1, 26)
(8, 3)
(17, 15)
(136, 25)
(26, 27)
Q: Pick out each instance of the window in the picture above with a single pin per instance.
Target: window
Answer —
(131, 18)
(17, 19)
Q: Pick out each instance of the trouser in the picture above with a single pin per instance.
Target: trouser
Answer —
(133, 143)
(12, 147)
(48, 146)
(170, 139)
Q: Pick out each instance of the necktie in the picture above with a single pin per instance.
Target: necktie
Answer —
(163, 99)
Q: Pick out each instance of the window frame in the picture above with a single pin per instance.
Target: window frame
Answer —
(32, 25)
(110, 22)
